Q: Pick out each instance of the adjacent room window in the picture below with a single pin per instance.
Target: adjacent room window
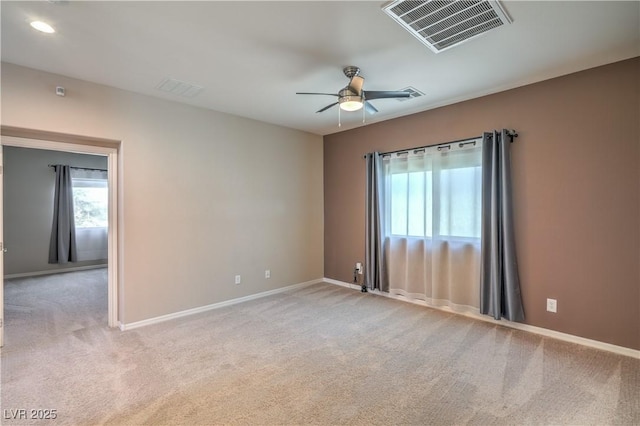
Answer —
(90, 202)
(91, 212)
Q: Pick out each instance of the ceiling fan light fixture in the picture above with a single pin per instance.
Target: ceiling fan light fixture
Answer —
(350, 103)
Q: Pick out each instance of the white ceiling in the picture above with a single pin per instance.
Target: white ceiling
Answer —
(252, 57)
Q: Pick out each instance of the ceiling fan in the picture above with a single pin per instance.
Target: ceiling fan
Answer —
(353, 97)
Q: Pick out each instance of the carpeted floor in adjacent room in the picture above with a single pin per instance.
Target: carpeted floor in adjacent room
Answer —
(321, 354)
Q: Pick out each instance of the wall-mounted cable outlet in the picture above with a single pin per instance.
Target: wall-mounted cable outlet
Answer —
(552, 305)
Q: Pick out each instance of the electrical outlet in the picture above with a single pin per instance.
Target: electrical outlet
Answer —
(552, 305)
(359, 268)
(238, 279)
(267, 273)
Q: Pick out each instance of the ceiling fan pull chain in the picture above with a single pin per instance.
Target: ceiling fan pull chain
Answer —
(339, 122)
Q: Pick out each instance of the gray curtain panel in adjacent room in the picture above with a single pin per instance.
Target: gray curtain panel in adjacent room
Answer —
(375, 277)
(499, 282)
(62, 247)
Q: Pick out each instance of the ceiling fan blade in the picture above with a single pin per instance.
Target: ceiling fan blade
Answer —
(385, 94)
(355, 85)
(327, 107)
(311, 93)
(370, 108)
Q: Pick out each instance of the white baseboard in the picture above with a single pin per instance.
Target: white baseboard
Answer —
(342, 284)
(54, 271)
(620, 350)
(218, 305)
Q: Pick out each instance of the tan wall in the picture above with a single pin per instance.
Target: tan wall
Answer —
(206, 195)
(577, 193)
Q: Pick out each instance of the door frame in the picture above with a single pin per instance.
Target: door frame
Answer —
(2, 249)
(81, 145)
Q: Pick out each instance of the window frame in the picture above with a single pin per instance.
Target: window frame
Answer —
(104, 185)
(411, 167)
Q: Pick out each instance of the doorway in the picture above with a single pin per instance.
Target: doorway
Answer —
(77, 145)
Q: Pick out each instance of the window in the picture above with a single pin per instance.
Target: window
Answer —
(90, 202)
(436, 194)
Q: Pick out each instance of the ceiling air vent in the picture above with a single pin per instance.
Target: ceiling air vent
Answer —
(442, 24)
(413, 93)
(181, 88)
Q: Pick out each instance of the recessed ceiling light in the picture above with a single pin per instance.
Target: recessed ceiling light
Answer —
(42, 26)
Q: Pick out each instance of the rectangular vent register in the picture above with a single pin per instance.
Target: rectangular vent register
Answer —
(442, 24)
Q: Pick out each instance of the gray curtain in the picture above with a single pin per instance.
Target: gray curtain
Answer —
(62, 247)
(499, 282)
(375, 276)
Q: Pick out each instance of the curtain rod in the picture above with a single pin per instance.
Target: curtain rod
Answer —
(81, 168)
(512, 133)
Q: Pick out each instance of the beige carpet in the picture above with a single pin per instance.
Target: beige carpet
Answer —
(318, 355)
